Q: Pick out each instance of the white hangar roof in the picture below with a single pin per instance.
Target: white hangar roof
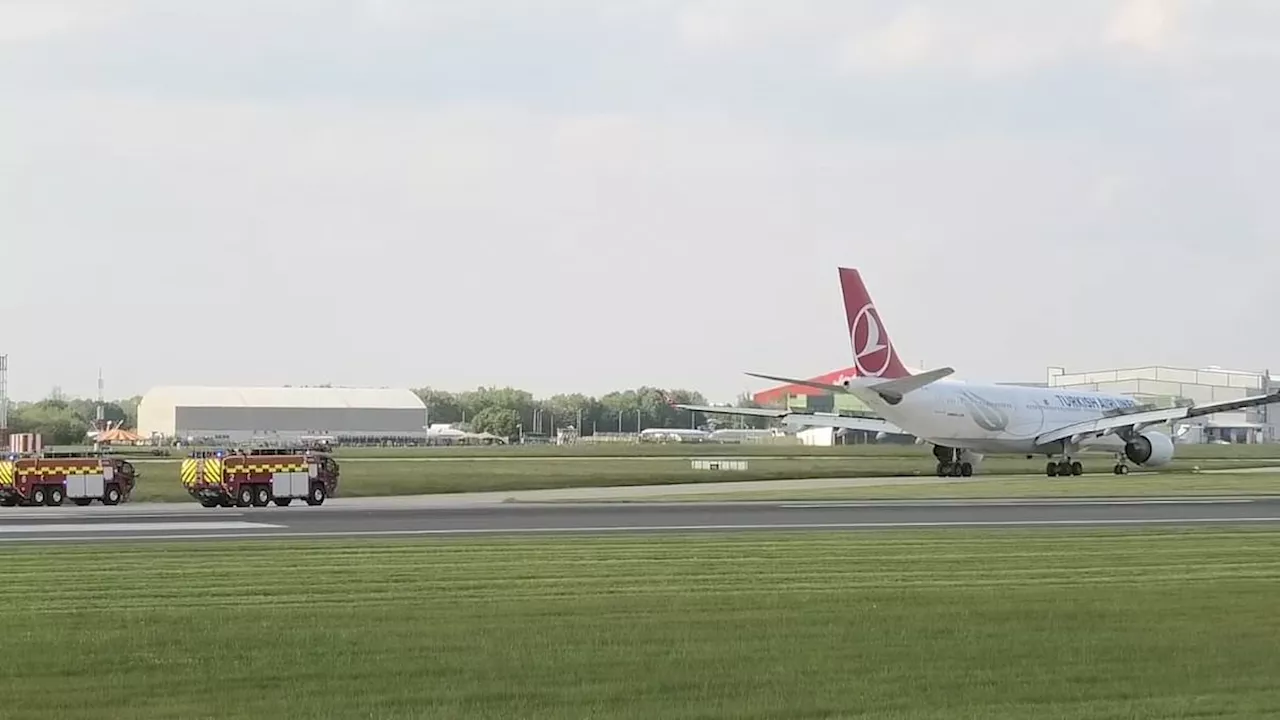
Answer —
(283, 397)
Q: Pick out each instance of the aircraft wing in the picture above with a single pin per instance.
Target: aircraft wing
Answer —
(802, 420)
(1109, 425)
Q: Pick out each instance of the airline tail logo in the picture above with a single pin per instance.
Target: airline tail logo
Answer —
(873, 353)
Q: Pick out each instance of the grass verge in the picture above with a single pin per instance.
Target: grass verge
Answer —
(1152, 485)
(913, 626)
(159, 481)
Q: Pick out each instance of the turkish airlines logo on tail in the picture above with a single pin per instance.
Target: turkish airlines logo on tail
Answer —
(871, 353)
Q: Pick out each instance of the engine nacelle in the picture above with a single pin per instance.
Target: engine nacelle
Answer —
(1150, 449)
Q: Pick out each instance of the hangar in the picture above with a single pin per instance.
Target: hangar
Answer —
(1164, 386)
(241, 414)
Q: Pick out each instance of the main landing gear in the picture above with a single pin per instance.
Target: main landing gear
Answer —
(1064, 468)
(951, 463)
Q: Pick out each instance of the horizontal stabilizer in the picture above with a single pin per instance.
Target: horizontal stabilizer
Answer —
(806, 383)
(893, 390)
(730, 410)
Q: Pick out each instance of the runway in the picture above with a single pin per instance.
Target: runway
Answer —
(401, 517)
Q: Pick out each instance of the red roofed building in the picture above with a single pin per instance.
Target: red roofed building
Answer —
(803, 397)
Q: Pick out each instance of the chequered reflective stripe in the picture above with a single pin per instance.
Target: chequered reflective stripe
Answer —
(267, 468)
(6, 473)
(62, 470)
(188, 472)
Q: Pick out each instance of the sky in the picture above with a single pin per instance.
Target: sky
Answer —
(576, 195)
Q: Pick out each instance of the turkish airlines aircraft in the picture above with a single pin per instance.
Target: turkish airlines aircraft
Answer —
(965, 420)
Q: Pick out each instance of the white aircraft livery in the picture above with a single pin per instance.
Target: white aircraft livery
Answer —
(965, 420)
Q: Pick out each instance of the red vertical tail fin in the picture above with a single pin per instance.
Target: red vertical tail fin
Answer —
(873, 352)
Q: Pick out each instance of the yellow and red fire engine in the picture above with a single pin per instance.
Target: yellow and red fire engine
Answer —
(259, 476)
(49, 477)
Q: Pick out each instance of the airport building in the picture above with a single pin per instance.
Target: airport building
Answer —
(1168, 386)
(243, 414)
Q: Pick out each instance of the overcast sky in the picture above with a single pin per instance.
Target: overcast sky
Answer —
(581, 195)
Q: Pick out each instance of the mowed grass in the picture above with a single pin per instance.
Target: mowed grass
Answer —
(159, 481)
(910, 626)
(1149, 485)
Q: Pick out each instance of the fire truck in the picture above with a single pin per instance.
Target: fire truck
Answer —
(49, 477)
(259, 476)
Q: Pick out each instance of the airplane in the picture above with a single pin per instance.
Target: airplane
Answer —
(964, 421)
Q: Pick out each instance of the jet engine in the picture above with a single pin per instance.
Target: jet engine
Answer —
(1150, 449)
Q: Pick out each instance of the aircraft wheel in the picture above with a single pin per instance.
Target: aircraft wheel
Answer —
(966, 469)
(944, 469)
(1051, 469)
(1077, 468)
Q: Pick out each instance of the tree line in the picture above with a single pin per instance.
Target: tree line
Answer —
(509, 412)
(506, 412)
(66, 421)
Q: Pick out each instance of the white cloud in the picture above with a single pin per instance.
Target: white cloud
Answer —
(35, 21)
(737, 25)
(906, 40)
(1148, 25)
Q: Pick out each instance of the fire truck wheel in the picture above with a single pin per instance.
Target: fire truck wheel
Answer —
(113, 495)
(38, 495)
(82, 502)
(9, 502)
(245, 497)
(283, 502)
(261, 496)
(56, 496)
(317, 494)
(206, 502)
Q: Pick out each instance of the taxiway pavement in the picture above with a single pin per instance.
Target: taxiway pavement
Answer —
(403, 517)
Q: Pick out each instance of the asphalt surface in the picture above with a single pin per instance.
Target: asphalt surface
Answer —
(401, 517)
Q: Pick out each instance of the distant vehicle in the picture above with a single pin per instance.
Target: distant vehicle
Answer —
(49, 477)
(259, 476)
(963, 420)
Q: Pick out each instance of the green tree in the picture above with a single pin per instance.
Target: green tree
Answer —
(56, 421)
(499, 421)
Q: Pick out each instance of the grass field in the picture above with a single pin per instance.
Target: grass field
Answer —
(1141, 485)
(911, 626)
(409, 476)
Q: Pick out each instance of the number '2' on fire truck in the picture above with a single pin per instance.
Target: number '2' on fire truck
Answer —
(48, 478)
(259, 476)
